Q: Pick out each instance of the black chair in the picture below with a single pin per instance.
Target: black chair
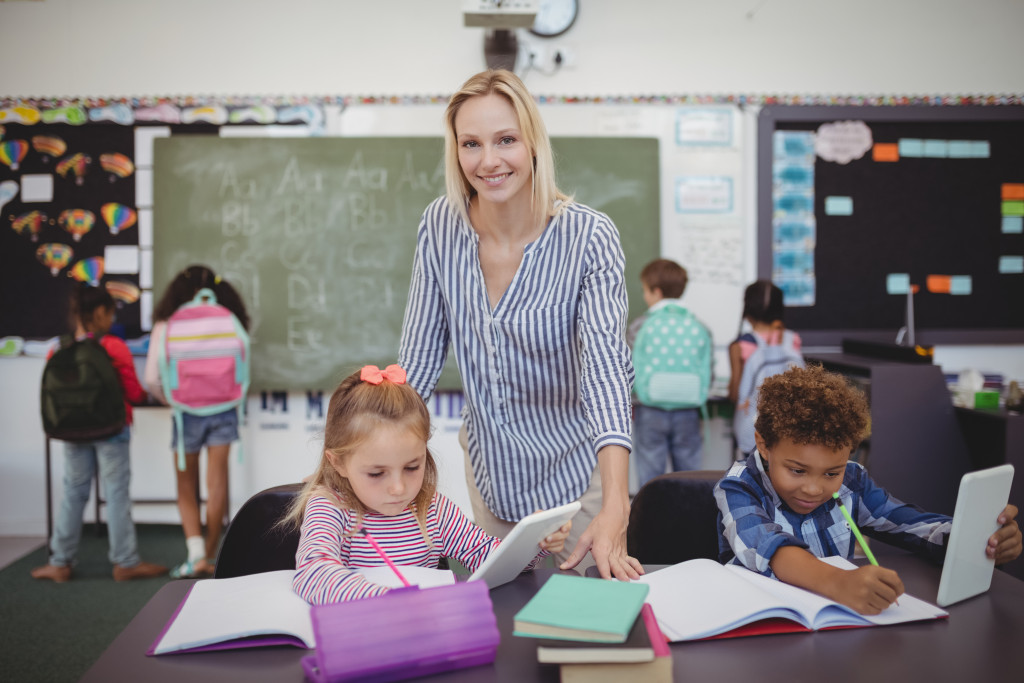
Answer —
(252, 543)
(674, 518)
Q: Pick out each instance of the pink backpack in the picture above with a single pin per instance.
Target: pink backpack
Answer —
(203, 361)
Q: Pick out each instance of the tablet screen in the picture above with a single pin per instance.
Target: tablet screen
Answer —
(967, 570)
(520, 546)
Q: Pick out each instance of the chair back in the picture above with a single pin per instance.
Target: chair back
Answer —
(674, 518)
(251, 544)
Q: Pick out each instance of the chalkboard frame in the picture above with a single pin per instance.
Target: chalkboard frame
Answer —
(770, 118)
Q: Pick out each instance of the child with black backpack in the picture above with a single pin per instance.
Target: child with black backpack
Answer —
(672, 358)
(89, 385)
(766, 348)
(200, 349)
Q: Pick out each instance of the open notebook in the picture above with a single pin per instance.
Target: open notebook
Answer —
(260, 609)
(704, 599)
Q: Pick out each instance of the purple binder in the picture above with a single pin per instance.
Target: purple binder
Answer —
(403, 634)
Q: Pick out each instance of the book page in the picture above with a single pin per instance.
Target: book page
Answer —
(218, 610)
(908, 609)
(701, 598)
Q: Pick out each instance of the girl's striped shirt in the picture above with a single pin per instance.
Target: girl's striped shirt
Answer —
(328, 550)
(546, 373)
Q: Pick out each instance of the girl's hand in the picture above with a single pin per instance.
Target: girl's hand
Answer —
(555, 541)
(1005, 544)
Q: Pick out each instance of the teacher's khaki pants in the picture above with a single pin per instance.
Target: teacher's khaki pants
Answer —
(495, 526)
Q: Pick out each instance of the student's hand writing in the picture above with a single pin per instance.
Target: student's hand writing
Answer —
(1005, 544)
(869, 589)
(555, 541)
(605, 538)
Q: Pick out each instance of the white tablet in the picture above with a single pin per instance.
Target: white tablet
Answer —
(967, 570)
(520, 546)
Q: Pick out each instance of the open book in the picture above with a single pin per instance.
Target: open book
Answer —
(260, 609)
(704, 599)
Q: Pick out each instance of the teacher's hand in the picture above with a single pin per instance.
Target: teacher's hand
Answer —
(605, 538)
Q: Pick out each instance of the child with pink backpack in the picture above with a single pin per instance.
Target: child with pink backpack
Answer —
(198, 363)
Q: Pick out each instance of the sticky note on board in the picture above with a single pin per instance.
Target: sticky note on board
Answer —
(1013, 208)
(1011, 264)
(936, 149)
(938, 284)
(838, 206)
(897, 283)
(960, 285)
(1012, 191)
(1013, 224)
(961, 149)
(886, 151)
(911, 147)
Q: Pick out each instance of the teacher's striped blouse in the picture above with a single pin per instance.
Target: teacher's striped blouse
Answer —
(546, 373)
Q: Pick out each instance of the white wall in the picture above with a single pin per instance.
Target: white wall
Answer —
(124, 48)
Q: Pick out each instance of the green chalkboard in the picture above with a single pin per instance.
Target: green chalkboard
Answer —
(318, 234)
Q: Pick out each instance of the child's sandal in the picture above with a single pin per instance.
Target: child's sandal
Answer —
(192, 570)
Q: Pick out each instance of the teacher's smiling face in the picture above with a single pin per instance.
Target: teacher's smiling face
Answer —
(493, 155)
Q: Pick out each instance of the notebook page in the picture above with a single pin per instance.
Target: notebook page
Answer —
(908, 609)
(699, 598)
(218, 610)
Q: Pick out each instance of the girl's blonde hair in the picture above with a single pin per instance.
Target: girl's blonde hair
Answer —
(508, 85)
(356, 409)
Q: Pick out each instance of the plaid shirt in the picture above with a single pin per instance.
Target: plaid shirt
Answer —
(753, 522)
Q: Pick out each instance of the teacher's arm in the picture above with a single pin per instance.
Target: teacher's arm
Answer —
(425, 335)
(606, 380)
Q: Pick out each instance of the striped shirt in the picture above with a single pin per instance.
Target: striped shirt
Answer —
(328, 551)
(753, 522)
(546, 373)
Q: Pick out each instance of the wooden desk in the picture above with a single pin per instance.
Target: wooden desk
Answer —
(979, 642)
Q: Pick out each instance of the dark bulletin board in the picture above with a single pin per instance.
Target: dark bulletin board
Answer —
(318, 234)
(34, 300)
(918, 215)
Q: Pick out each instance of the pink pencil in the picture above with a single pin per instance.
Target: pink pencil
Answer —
(384, 556)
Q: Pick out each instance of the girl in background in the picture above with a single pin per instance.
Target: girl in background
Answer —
(216, 432)
(766, 348)
(377, 475)
(93, 313)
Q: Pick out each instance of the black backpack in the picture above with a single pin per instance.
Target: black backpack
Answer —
(81, 397)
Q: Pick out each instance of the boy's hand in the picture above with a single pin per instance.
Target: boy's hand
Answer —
(555, 541)
(1005, 544)
(869, 589)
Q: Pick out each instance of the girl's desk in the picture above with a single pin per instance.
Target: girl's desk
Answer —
(979, 641)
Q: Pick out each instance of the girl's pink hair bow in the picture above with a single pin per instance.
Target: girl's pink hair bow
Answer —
(374, 375)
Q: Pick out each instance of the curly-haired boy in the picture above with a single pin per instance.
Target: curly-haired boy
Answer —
(777, 514)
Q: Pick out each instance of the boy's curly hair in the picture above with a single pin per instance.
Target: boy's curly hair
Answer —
(812, 406)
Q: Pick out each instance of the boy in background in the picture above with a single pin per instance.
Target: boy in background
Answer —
(672, 359)
(777, 514)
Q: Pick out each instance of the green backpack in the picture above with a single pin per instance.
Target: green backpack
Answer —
(81, 397)
(672, 360)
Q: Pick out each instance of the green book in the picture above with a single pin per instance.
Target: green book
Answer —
(581, 608)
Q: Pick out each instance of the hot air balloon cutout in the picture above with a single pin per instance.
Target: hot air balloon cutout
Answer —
(54, 256)
(30, 223)
(76, 165)
(88, 270)
(77, 222)
(8, 191)
(48, 146)
(117, 165)
(118, 216)
(3, 131)
(124, 293)
(12, 152)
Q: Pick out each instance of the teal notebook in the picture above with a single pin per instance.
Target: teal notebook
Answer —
(581, 608)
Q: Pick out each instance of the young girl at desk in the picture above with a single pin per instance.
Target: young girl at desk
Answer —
(777, 513)
(376, 476)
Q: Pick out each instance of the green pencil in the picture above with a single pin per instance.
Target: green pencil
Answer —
(856, 531)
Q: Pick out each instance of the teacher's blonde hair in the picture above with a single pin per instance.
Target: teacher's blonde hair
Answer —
(535, 135)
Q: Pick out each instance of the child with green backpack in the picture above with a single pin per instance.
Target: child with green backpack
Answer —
(672, 356)
(88, 386)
